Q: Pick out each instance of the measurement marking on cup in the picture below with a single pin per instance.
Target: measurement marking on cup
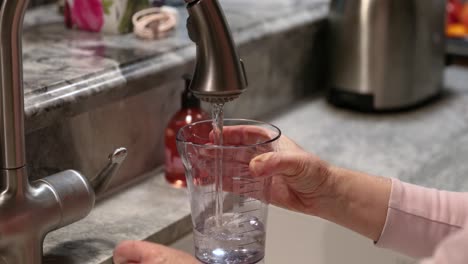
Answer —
(251, 192)
(243, 245)
(245, 232)
(249, 201)
(248, 211)
(246, 221)
(246, 180)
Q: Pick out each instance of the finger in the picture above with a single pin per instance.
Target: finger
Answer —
(302, 171)
(237, 179)
(148, 253)
(244, 135)
(206, 173)
(287, 163)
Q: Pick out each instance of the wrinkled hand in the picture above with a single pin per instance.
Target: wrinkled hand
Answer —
(139, 252)
(304, 183)
(299, 178)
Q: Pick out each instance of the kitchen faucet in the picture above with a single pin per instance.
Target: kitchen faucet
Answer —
(30, 210)
(219, 72)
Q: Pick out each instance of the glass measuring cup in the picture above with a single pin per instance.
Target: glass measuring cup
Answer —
(237, 236)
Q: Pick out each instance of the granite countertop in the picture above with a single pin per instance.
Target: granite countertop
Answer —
(150, 210)
(425, 146)
(68, 71)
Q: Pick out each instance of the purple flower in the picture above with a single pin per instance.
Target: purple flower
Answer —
(88, 14)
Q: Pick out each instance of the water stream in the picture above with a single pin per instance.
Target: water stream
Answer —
(218, 121)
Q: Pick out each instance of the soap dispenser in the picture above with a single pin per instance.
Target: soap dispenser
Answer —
(190, 112)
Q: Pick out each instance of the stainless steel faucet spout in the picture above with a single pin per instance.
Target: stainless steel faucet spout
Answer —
(12, 151)
(219, 74)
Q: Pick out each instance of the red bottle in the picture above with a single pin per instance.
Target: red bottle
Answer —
(191, 112)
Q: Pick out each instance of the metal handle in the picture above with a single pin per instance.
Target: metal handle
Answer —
(102, 181)
(12, 141)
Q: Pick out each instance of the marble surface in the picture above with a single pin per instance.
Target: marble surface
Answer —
(65, 68)
(426, 146)
(279, 65)
(151, 210)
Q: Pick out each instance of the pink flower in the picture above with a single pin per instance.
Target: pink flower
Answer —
(88, 14)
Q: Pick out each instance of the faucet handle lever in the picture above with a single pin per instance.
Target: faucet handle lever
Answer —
(102, 181)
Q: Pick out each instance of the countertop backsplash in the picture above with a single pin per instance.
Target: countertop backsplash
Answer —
(87, 94)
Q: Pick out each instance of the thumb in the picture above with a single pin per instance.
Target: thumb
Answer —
(145, 253)
(283, 163)
(302, 171)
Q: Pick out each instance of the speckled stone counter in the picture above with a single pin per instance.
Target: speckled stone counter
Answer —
(87, 94)
(150, 210)
(65, 70)
(426, 146)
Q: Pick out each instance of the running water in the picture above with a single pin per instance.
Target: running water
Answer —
(218, 120)
(241, 240)
(236, 236)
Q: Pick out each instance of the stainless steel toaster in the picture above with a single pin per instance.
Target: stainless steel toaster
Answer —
(385, 54)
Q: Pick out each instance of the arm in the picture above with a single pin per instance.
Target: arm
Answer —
(420, 218)
(303, 183)
(356, 201)
(403, 217)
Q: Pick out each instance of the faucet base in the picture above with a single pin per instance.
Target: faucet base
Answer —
(30, 211)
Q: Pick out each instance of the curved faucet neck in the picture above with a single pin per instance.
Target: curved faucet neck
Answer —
(219, 72)
(12, 146)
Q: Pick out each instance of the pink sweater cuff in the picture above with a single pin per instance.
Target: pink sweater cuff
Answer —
(419, 218)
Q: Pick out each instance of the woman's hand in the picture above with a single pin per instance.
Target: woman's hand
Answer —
(139, 252)
(301, 182)
(299, 178)
(304, 183)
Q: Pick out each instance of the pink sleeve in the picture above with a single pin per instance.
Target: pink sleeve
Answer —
(420, 218)
(452, 250)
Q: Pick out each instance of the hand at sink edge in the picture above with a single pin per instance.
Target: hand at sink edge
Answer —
(141, 252)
